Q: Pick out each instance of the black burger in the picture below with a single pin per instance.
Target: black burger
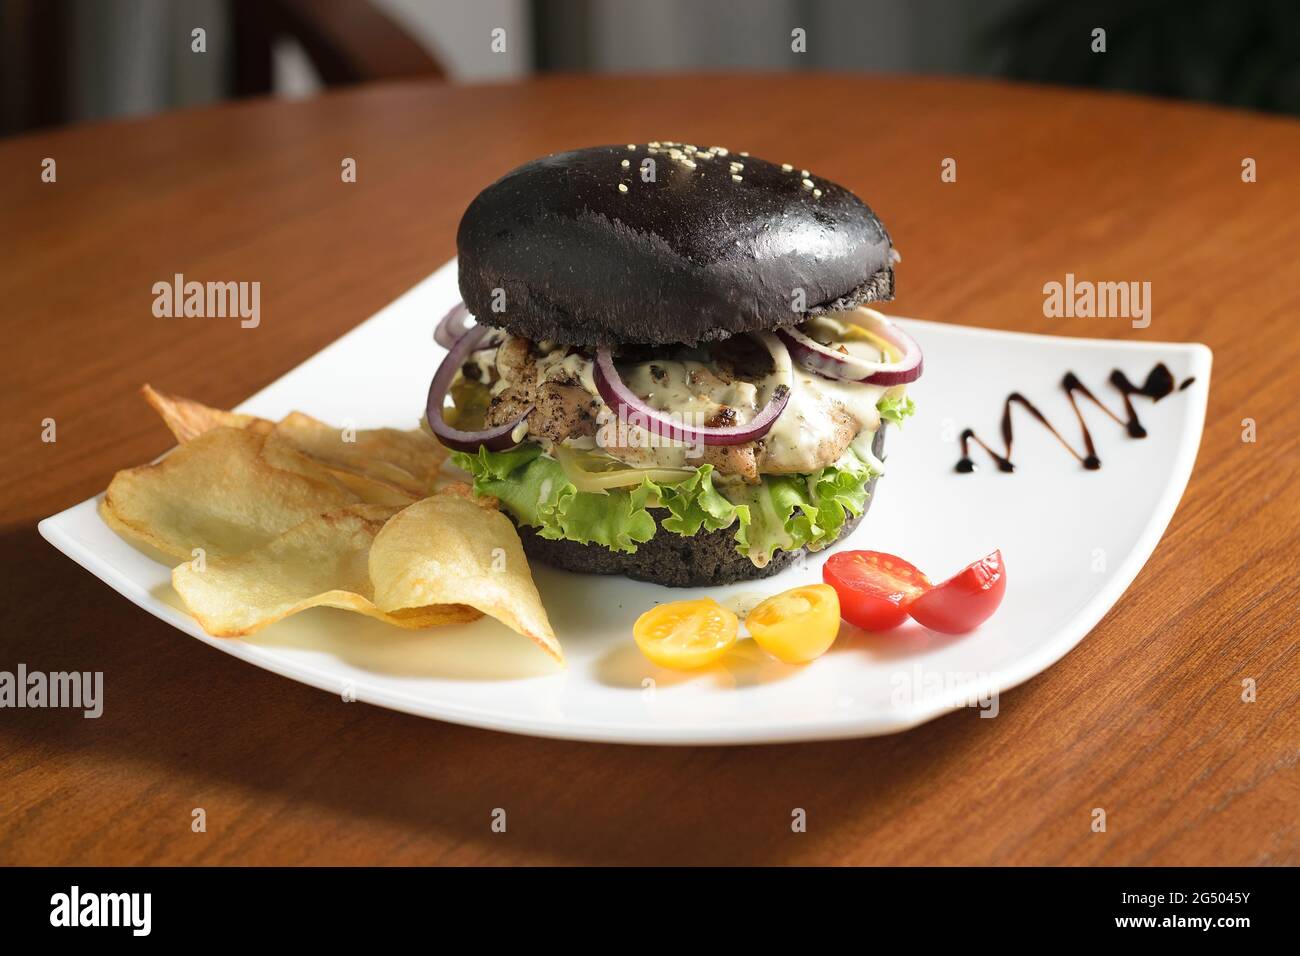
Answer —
(663, 366)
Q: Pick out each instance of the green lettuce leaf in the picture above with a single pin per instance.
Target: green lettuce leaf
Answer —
(537, 492)
(695, 504)
(783, 512)
(894, 408)
(497, 465)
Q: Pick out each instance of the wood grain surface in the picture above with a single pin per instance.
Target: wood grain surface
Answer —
(1145, 718)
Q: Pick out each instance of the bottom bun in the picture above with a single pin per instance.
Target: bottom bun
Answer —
(674, 560)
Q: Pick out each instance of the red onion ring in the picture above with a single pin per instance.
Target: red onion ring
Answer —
(623, 401)
(453, 325)
(493, 439)
(829, 363)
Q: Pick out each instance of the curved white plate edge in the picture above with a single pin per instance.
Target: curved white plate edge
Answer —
(1088, 342)
(299, 672)
(351, 333)
(927, 709)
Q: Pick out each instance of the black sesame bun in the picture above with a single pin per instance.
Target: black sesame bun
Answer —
(702, 560)
(585, 252)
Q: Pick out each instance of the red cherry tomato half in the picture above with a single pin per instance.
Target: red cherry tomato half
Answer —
(965, 601)
(874, 588)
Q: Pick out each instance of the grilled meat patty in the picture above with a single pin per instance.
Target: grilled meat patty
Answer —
(723, 384)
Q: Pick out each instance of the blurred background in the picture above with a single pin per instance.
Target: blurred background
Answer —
(69, 61)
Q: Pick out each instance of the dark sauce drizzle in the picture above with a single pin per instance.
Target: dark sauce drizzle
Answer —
(1159, 383)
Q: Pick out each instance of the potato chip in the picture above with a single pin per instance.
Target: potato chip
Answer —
(219, 492)
(387, 466)
(188, 419)
(321, 562)
(450, 550)
(463, 489)
(297, 514)
(374, 491)
(376, 460)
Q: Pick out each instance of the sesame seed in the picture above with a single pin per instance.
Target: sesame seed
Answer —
(743, 153)
(688, 164)
(631, 145)
(804, 173)
(736, 178)
(622, 187)
(721, 151)
(654, 144)
(807, 184)
(737, 167)
(786, 167)
(625, 164)
(817, 193)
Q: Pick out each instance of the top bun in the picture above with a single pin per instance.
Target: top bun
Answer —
(578, 248)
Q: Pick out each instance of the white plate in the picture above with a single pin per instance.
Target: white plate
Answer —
(1072, 540)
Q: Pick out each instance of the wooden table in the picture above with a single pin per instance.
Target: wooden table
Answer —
(1144, 718)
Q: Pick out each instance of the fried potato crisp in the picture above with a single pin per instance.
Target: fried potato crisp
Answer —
(321, 562)
(451, 550)
(272, 518)
(387, 466)
(189, 419)
(221, 493)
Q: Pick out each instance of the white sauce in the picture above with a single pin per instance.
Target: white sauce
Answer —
(808, 421)
(813, 419)
(557, 365)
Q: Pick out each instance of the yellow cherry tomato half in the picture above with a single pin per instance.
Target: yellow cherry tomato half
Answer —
(686, 634)
(798, 625)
